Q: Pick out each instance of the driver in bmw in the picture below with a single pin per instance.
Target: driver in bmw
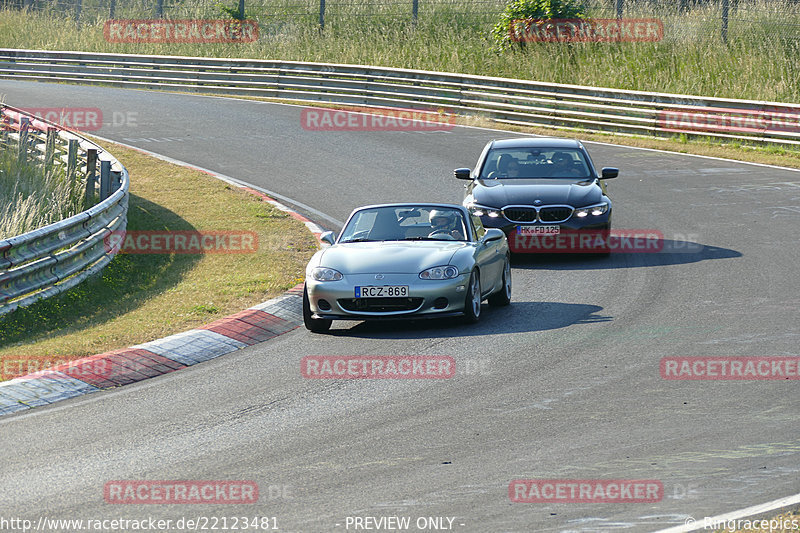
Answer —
(444, 223)
(563, 166)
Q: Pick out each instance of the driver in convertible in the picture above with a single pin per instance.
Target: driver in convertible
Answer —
(445, 223)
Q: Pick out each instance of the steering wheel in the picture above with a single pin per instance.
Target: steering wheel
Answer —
(442, 233)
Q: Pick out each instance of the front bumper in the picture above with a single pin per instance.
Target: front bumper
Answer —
(571, 224)
(426, 296)
(594, 225)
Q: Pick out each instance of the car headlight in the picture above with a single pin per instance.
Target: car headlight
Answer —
(326, 274)
(440, 272)
(481, 210)
(594, 210)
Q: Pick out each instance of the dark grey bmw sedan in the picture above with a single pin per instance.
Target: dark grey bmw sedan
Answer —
(538, 187)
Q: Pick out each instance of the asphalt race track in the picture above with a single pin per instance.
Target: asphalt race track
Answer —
(563, 384)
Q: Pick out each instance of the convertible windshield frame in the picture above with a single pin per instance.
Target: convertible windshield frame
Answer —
(402, 223)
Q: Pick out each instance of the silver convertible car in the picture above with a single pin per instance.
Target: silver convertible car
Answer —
(407, 261)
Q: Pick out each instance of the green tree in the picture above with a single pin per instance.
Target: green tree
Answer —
(519, 10)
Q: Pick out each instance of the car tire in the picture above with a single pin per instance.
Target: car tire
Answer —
(503, 296)
(472, 301)
(315, 325)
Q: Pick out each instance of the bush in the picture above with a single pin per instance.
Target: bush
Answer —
(232, 12)
(536, 10)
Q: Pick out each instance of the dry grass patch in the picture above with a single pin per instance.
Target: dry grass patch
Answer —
(141, 297)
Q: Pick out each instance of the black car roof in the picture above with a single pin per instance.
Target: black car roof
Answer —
(536, 142)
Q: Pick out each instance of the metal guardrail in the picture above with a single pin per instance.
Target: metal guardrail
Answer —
(510, 101)
(54, 258)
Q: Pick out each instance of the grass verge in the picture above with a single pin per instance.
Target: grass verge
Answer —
(757, 62)
(141, 297)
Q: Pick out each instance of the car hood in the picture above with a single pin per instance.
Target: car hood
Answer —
(500, 193)
(388, 257)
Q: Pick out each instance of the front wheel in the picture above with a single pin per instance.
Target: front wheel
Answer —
(472, 302)
(316, 325)
(503, 296)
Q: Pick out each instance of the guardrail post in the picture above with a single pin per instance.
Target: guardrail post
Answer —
(22, 156)
(241, 9)
(414, 11)
(72, 159)
(4, 127)
(159, 9)
(45, 259)
(91, 167)
(105, 179)
(321, 15)
(49, 149)
(725, 21)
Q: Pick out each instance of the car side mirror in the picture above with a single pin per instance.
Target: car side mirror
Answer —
(493, 234)
(328, 237)
(462, 174)
(609, 172)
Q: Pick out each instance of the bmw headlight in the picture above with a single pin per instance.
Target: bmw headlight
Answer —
(440, 272)
(480, 210)
(594, 210)
(326, 274)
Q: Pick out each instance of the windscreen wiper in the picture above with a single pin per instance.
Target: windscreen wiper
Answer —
(360, 239)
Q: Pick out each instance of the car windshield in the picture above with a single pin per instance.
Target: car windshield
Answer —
(400, 223)
(516, 163)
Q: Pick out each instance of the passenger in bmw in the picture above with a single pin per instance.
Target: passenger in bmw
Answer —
(502, 166)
